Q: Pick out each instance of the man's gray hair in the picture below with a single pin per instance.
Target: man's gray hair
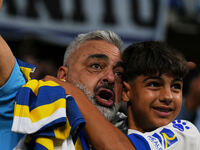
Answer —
(108, 36)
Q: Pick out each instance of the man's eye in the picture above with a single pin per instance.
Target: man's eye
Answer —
(95, 66)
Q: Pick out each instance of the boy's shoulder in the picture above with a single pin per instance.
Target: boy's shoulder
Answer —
(179, 134)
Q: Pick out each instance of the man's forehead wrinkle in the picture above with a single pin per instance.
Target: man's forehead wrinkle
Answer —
(105, 57)
(101, 56)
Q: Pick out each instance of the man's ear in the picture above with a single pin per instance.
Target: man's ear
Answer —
(126, 94)
(62, 72)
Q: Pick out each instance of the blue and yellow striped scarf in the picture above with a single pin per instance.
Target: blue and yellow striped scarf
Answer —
(44, 113)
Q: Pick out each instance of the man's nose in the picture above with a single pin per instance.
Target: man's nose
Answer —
(109, 77)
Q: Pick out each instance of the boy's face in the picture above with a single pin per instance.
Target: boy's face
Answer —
(155, 100)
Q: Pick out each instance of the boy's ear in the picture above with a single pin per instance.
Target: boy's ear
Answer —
(126, 94)
(62, 73)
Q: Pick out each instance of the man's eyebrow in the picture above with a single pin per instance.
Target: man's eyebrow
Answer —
(101, 56)
(119, 64)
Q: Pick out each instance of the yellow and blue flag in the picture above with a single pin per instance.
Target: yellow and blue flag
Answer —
(46, 115)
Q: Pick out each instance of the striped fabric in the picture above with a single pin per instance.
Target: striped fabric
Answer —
(26, 69)
(47, 116)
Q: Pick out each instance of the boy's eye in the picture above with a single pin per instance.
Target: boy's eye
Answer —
(153, 84)
(177, 86)
(119, 74)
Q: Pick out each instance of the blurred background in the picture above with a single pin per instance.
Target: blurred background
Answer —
(38, 31)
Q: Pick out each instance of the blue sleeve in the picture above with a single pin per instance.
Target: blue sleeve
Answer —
(8, 139)
(7, 94)
(139, 142)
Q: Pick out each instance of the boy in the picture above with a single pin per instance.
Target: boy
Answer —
(153, 89)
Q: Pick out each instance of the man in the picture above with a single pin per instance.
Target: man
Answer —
(92, 62)
(101, 62)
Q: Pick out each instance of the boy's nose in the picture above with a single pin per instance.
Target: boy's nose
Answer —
(166, 95)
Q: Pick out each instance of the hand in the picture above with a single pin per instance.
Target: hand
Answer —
(69, 88)
(52, 78)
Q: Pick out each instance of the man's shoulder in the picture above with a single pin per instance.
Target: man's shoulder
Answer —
(15, 81)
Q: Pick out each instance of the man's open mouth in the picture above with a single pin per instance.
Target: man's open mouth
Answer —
(105, 97)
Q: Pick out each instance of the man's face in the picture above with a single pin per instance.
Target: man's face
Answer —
(155, 100)
(96, 68)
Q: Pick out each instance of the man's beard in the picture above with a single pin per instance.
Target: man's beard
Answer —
(108, 112)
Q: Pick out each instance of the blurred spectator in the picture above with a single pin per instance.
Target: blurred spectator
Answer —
(184, 27)
(41, 54)
(192, 101)
(191, 98)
